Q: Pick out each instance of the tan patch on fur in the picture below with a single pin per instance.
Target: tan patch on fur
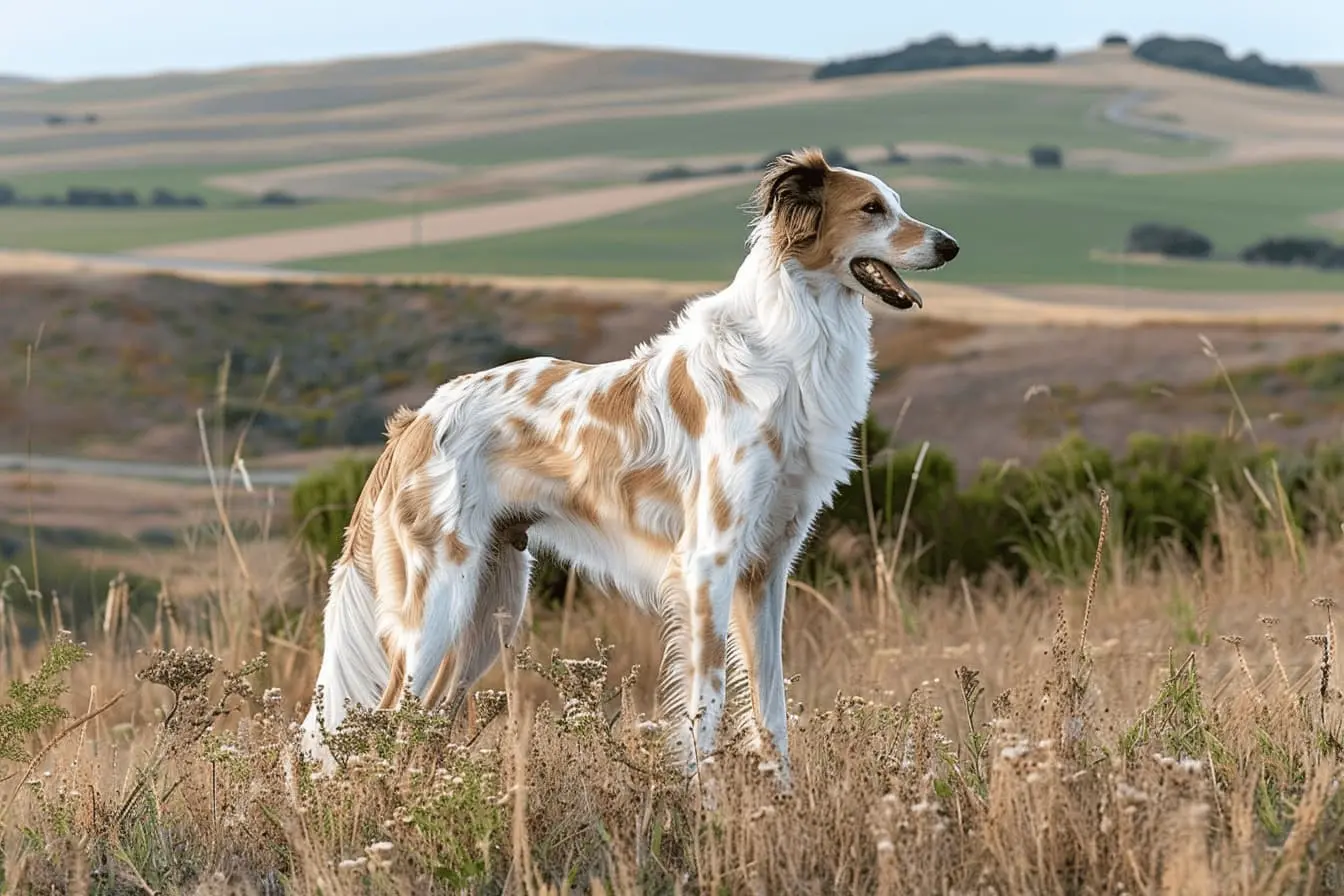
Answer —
(651, 483)
(909, 236)
(455, 548)
(396, 681)
(774, 441)
(843, 220)
(394, 513)
(358, 547)
(554, 373)
(413, 605)
(733, 390)
(589, 473)
(719, 504)
(752, 579)
(438, 685)
(790, 193)
(511, 379)
(566, 419)
(743, 623)
(816, 210)
(546, 459)
(420, 525)
(533, 452)
(713, 649)
(617, 404)
(687, 402)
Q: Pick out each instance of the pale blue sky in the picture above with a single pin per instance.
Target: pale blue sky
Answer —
(72, 38)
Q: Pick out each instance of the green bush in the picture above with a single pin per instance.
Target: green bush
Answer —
(1040, 519)
(323, 501)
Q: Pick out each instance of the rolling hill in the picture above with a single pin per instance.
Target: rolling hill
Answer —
(370, 145)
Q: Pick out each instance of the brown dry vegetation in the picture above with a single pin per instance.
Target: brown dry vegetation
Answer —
(1168, 728)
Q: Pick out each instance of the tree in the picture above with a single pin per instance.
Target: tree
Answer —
(1168, 239)
(1047, 157)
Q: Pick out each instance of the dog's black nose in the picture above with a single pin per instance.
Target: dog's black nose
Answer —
(946, 247)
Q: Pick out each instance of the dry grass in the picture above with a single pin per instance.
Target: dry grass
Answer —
(1175, 731)
(1161, 727)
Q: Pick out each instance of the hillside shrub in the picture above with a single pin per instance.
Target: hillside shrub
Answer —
(1171, 240)
(99, 197)
(1115, 39)
(278, 197)
(938, 52)
(162, 197)
(1210, 58)
(1046, 157)
(896, 157)
(1293, 250)
(683, 172)
(1166, 493)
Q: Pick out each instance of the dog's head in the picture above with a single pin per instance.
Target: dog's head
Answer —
(847, 224)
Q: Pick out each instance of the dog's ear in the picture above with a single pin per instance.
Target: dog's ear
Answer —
(790, 195)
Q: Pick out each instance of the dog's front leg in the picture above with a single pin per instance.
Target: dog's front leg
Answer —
(758, 620)
(732, 495)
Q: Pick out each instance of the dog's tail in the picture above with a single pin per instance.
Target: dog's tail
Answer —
(354, 666)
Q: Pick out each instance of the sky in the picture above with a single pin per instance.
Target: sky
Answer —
(64, 39)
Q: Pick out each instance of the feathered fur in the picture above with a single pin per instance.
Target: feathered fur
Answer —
(687, 476)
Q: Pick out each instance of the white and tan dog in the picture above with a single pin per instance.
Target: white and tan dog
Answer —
(687, 476)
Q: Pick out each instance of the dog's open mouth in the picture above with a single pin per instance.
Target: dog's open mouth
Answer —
(880, 279)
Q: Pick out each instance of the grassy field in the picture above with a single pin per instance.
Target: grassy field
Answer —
(1016, 225)
(181, 179)
(1002, 117)
(117, 230)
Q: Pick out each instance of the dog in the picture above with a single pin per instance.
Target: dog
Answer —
(687, 477)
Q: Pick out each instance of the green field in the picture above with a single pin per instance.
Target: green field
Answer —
(179, 179)
(1016, 225)
(1001, 117)
(120, 230)
(60, 228)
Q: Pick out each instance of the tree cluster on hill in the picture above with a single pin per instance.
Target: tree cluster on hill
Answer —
(159, 197)
(165, 198)
(1115, 39)
(685, 172)
(1046, 156)
(56, 121)
(1290, 250)
(1172, 240)
(1209, 57)
(1175, 241)
(98, 197)
(938, 52)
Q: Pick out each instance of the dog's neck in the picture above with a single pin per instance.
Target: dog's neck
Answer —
(774, 305)
(775, 317)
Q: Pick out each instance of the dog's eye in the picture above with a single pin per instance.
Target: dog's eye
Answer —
(875, 208)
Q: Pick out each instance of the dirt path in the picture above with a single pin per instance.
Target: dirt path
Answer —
(438, 227)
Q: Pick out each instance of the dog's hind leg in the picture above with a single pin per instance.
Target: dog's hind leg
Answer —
(494, 623)
(441, 602)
